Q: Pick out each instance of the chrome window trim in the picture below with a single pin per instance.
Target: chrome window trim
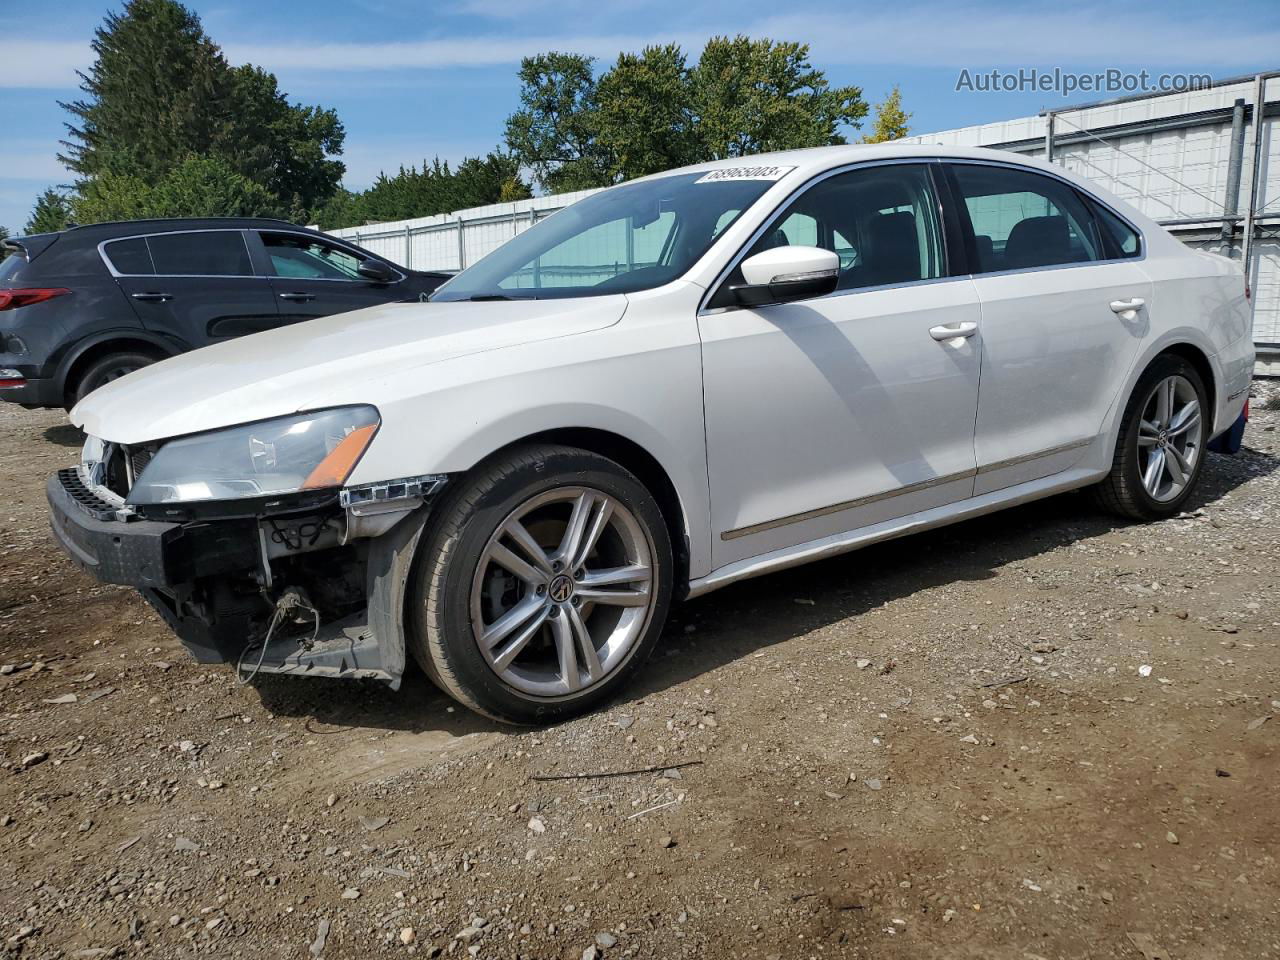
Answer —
(106, 259)
(363, 255)
(740, 255)
(801, 188)
(1142, 237)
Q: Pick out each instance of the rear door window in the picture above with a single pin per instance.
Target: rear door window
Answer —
(1022, 219)
(203, 253)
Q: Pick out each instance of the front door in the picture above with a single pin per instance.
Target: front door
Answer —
(313, 278)
(1054, 274)
(852, 409)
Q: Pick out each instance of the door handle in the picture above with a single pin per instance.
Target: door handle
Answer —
(152, 297)
(1128, 306)
(949, 331)
(298, 297)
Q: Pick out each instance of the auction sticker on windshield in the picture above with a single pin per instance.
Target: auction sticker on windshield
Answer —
(765, 172)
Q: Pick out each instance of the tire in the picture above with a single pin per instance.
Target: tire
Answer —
(581, 616)
(1181, 438)
(113, 366)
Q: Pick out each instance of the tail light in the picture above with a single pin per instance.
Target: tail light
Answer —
(1248, 293)
(1245, 413)
(25, 296)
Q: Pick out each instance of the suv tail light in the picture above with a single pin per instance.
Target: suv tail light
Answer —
(1248, 293)
(25, 296)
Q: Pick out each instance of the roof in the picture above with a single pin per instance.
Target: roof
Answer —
(813, 159)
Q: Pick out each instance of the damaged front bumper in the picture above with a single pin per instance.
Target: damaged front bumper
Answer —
(218, 574)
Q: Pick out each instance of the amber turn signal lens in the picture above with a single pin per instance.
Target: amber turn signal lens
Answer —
(334, 469)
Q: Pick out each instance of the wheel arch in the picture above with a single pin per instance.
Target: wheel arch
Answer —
(1199, 361)
(116, 341)
(633, 457)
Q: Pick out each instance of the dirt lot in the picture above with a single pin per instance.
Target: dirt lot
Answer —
(1043, 734)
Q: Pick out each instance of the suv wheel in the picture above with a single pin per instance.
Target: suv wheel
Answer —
(1160, 451)
(113, 366)
(543, 585)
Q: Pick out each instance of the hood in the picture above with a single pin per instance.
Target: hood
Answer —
(295, 368)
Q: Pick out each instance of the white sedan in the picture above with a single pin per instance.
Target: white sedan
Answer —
(674, 384)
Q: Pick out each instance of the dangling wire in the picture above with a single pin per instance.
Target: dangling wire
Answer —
(289, 601)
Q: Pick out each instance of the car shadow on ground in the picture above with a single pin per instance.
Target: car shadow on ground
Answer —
(65, 435)
(744, 618)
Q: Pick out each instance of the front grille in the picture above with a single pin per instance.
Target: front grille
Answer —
(84, 497)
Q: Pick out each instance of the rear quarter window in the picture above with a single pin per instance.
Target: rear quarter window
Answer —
(129, 256)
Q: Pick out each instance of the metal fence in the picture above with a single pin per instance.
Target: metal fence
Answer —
(453, 241)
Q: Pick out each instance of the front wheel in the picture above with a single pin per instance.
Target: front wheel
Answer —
(543, 585)
(1160, 451)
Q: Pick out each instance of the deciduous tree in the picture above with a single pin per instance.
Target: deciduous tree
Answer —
(891, 120)
(553, 134)
(651, 111)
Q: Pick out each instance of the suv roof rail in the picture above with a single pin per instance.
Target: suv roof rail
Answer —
(125, 223)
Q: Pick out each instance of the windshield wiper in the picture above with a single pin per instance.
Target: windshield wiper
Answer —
(481, 297)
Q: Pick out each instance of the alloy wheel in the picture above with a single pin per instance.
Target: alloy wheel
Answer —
(563, 591)
(1169, 438)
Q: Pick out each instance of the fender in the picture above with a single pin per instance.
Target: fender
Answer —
(169, 346)
(688, 479)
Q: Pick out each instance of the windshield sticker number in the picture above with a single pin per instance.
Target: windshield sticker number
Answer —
(745, 173)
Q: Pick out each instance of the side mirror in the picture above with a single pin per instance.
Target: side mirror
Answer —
(375, 271)
(784, 274)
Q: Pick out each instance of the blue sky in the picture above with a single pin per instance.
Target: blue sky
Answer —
(417, 80)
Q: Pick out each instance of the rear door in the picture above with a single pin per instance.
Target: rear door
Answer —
(312, 278)
(197, 286)
(1057, 342)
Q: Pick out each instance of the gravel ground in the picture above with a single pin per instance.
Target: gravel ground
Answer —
(1042, 734)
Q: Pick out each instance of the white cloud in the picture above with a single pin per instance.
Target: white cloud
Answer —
(31, 160)
(976, 37)
(973, 36)
(434, 54)
(49, 64)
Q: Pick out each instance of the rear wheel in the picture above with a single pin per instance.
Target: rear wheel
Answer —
(1160, 451)
(543, 585)
(111, 367)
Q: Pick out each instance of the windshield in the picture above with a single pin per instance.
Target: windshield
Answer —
(633, 237)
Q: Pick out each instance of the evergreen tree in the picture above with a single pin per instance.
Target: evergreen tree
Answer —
(51, 214)
(436, 188)
(197, 187)
(161, 91)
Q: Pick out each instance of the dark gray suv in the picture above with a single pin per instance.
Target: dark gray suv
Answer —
(90, 304)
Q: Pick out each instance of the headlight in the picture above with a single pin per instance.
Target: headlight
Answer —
(308, 451)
